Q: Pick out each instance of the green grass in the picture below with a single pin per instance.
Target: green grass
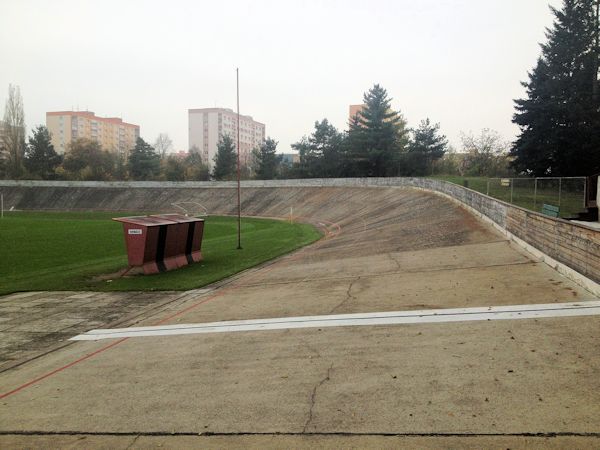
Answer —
(68, 251)
(571, 201)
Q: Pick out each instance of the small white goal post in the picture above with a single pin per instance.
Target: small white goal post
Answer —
(199, 209)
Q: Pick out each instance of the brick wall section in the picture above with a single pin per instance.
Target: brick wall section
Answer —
(574, 245)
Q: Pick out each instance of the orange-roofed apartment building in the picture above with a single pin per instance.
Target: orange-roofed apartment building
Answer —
(111, 133)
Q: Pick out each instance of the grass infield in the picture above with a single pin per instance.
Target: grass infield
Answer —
(70, 250)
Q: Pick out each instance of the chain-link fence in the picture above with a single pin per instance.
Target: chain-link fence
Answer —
(568, 193)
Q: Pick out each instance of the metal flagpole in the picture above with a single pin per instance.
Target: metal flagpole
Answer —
(237, 75)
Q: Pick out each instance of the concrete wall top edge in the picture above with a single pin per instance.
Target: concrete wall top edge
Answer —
(454, 190)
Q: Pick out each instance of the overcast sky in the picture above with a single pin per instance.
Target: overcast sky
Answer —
(458, 62)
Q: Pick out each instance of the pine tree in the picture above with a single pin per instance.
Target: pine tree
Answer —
(321, 153)
(560, 118)
(144, 162)
(266, 160)
(377, 136)
(40, 157)
(225, 159)
(426, 146)
(328, 142)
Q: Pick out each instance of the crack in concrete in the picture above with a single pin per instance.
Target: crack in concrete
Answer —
(132, 442)
(313, 398)
(395, 261)
(349, 296)
(393, 272)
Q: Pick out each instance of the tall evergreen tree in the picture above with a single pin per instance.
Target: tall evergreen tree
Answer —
(560, 118)
(225, 159)
(266, 160)
(328, 142)
(377, 136)
(40, 157)
(321, 153)
(144, 162)
(426, 146)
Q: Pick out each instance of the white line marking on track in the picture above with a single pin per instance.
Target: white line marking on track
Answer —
(586, 308)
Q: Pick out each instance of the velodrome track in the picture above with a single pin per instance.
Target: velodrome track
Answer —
(481, 383)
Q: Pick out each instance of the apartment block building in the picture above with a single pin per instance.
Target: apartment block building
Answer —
(112, 133)
(207, 125)
(354, 110)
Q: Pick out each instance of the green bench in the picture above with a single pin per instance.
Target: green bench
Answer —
(550, 210)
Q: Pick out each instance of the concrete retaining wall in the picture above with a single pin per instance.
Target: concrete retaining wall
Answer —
(558, 241)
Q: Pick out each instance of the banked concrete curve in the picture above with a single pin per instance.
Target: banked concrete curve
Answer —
(571, 248)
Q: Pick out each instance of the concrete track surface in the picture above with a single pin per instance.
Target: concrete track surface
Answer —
(531, 383)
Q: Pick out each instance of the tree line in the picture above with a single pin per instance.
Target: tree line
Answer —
(559, 122)
(378, 143)
(86, 160)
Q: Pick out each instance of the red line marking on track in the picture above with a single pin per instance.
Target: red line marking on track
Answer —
(60, 369)
(329, 235)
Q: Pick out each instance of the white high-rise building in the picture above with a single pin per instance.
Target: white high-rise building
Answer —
(207, 125)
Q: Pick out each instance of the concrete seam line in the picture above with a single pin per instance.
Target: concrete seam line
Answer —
(516, 312)
(540, 434)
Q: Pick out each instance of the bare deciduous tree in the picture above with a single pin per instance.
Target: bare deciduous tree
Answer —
(14, 132)
(486, 154)
(163, 144)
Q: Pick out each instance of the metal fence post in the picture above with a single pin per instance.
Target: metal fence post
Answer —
(488, 187)
(535, 194)
(559, 190)
(512, 183)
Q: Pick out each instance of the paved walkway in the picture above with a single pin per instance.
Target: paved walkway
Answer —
(510, 383)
